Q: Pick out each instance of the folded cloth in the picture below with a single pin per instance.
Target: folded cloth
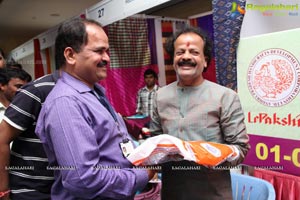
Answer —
(164, 148)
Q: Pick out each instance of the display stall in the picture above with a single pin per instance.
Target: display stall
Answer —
(266, 76)
(136, 44)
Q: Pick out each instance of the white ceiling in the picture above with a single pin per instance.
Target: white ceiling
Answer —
(21, 20)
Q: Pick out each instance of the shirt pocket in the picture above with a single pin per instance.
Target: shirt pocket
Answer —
(196, 125)
(204, 122)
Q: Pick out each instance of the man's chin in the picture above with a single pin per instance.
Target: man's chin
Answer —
(102, 75)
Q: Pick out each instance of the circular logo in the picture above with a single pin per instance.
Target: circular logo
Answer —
(274, 77)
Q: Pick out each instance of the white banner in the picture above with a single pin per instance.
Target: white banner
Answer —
(109, 11)
(268, 68)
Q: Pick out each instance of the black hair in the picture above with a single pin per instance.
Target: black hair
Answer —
(169, 46)
(150, 72)
(2, 53)
(13, 64)
(72, 34)
(6, 74)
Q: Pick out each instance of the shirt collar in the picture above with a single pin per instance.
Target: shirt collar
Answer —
(154, 88)
(2, 107)
(56, 75)
(78, 85)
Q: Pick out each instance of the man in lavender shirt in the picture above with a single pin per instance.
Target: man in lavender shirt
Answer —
(85, 140)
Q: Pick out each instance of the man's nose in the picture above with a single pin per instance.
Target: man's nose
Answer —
(106, 57)
(186, 55)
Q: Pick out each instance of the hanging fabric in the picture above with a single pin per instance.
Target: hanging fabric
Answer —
(130, 41)
(167, 31)
(227, 29)
(47, 53)
(206, 23)
(38, 62)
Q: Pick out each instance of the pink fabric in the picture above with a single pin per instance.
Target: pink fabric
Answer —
(210, 74)
(287, 187)
(152, 194)
(122, 85)
(130, 56)
(134, 126)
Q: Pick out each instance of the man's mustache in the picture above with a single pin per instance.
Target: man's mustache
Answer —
(187, 63)
(102, 64)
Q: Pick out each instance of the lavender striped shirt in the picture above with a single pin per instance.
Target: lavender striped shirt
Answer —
(81, 139)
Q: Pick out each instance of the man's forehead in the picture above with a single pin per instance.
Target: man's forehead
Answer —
(149, 75)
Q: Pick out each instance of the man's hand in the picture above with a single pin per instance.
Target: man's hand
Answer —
(235, 155)
(7, 134)
(151, 173)
(5, 195)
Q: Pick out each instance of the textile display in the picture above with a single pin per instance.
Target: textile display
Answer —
(227, 26)
(193, 22)
(38, 63)
(206, 24)
(130, 42)
(167, 31)
(169, 28)
(152, 40)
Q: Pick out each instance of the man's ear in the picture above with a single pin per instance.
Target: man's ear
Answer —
(206, 62)
(69, 54)
(2, 87)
